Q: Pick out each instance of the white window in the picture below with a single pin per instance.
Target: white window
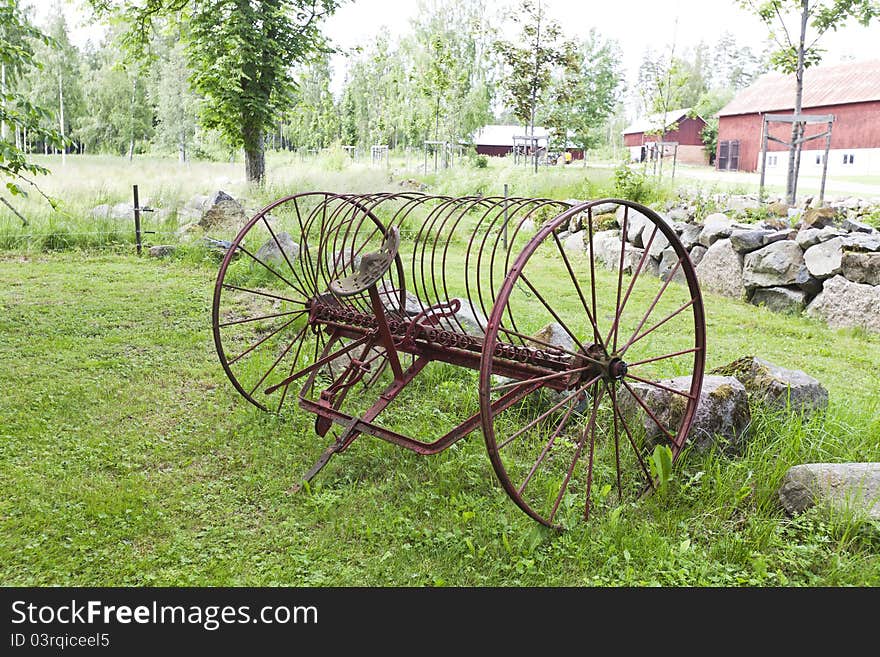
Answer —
(771, 160)
(848, 158)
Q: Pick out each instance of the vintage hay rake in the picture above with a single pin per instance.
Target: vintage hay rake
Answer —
(359, 301)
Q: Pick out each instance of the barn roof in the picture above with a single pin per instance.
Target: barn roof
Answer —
(654, 121)
(849, 82)
(502, 135)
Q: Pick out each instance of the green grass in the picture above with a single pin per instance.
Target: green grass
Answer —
(128, 459)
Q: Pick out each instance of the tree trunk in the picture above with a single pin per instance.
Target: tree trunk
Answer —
(61, 119)
(181, 146)
(131, 119)
(796, 127)
(3, 98)
(254, 155)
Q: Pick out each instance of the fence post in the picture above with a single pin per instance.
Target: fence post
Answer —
(137, 220)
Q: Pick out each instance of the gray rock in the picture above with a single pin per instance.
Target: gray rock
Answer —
(574, 242)
(843, 303)
(744, 241)
(635, 224)
(861, 267)
(161, 251)
(468, 320)
(722, 411)
(715, 227)
(340, 264)
(776, 386)
(807, 237)
(780, 299)
(824, 259)
(779, 235)
(773, 265)
(667, 264)
(807, 282)
(608, 252)
(861, 242)
(678, 214)
(527, 226)
(697, 254)
(690, 235)
(390, 297)
(605, 208)
(658, 245)
(557, 336)
(605, 244)
(818, 217)
(853, 226)
(270, 253)
(222, 211)
(847, 487)
(720, 270)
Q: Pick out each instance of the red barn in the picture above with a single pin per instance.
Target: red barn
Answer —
(641, 136)
(850, 91)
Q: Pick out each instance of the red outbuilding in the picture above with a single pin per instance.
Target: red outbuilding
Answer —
(643, 136)
(849, 91)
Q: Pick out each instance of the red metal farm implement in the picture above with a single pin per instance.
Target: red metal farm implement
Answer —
(362, 308)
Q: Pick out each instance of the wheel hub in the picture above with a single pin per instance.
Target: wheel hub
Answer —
(611, 368)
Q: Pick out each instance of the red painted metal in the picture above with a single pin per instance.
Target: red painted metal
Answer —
(311, 294)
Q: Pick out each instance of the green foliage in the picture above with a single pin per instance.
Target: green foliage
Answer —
(661, 466)
(631, 184)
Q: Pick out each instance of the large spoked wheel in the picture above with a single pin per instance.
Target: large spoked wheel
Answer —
(624, 320)
(276, 266)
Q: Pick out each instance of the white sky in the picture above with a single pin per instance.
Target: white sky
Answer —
(635, 24)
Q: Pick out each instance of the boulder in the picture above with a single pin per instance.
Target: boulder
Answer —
(780, 299)
(467, 320)
(690, 234)
(557, 336)
(273, 252)
(678, 214)
(222, 211)
(778, 209)
(722, 411)
(574, 242)
(605, 245)
(744, 240)
(847, 487)
(715, 227)
(161, 251)
(818, 217)
(853, 226)
(773, 265)
(635, 224)
(608, 252)
(697, 254)
(390, 297)
(824, 259)
(807, 237)
(776, 386)
(843, 303)
(605, 208)
(861, 241)
(667, 264)
(658, 244)
(779, 235)
(807, 282)
(527, 226)
(720, 270)
(861, 267)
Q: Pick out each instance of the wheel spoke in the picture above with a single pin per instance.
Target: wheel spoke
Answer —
(577, 455)
(286, 259)
(620, 272)
(649, 412)
(256, 319)
(271, 270)
(671, 315)
(657, 297)
(320, 363)
(553, 312)
(261, 341)
(577, 287)
(263, 294)
(632, 442)
(540, 378)
(292, 367)
(592, 268)
(612, 393)
(632, 283)
(278, 360)
(658, 385)
(547, 447)
(546, 413)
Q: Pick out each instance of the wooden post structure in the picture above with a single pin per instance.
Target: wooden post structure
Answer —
(763, 157)
(803, 119)
(137, 220)
(825, 165)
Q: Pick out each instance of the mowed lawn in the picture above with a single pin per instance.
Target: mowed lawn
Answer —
(126, 458)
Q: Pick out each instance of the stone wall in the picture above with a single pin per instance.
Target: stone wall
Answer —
(824, 261)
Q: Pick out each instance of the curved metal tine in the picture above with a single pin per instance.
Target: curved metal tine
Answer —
(465, 207)
(429, 226)
(448, 211)
(546, 413)
(530, 206)
(305, 227)
(342, 217)
(321, 362)
(632, 442)
(547, 377)
(577, 454)
(619, 311)
(400, 218)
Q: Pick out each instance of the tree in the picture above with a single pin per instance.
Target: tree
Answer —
(17, 111)
(241, 55)
(789, 22)
(531, 60)
(176, 104)
(586, 93)
(662, 82)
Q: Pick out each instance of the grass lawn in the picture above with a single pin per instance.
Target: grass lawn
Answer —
(127, 458)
